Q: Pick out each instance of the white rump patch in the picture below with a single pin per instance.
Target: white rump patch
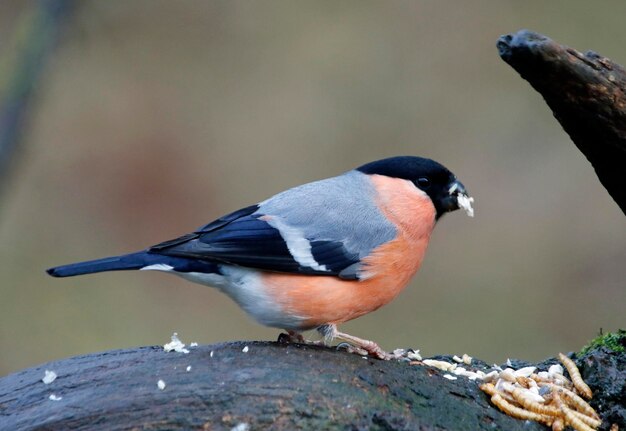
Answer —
(157, 267)
(298, 245)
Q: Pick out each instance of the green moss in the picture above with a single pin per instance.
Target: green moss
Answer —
(616, 341)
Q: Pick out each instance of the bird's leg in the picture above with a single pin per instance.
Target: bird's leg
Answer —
(355, 344)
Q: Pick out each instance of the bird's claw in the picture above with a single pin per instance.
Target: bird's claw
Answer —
(352, 349)
(293, 337)
(375, 352)
(283, 338)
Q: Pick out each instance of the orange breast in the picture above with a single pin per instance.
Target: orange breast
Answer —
(387, 270)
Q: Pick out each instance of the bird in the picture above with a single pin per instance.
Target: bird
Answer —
(316, 255)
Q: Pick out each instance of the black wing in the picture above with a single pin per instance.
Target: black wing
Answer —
(242, 238)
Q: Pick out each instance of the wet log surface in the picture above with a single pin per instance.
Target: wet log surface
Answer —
(270, 386)
(586, 93)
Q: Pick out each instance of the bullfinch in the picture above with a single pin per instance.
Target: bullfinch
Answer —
(316, 255)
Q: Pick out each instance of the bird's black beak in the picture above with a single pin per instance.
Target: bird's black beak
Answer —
(457, 198)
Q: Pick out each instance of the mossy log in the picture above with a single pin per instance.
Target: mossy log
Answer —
(587, 94)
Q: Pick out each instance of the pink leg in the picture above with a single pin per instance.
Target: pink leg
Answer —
(357, 345)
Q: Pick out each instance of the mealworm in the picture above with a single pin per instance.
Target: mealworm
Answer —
(592, 422)
(570, 417)
(574, 374)
(577, 402)
(558, 425)
(532, 405)
(518, 412)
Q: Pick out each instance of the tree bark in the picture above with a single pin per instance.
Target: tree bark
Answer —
(274, 386)
(586, 93)
(268, 386)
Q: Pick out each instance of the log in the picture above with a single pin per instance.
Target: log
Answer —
(272, 385)
(586, 93)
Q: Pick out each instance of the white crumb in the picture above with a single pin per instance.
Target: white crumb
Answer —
(460, 371)
(508, 362)
(398, 353)
(242, 426)
(555, 369)
(53, 397)
(211, 354)
(188, 368)
(508, 375)
(524, 372)
(442, 365)
(414, 355)
(245, 349)
(49, 377)
(161, 384)
(491, 376)
(465, 203)
(194, 344)
(175, 344)
(466, 359)
(455, 369)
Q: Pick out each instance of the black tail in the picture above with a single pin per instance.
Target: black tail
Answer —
(114, 263)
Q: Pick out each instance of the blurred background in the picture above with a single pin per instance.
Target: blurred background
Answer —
(151, 118)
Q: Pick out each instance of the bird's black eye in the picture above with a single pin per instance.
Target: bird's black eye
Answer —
(423, 183)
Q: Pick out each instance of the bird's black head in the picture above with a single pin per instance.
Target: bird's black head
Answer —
(429, 176)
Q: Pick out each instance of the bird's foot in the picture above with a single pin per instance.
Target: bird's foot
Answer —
(294, 337)
(354, 344)
(291, 337)
(352, 349)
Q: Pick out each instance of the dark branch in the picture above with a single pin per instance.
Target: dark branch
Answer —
(282, 386)
(586, 93)
(272, 385)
